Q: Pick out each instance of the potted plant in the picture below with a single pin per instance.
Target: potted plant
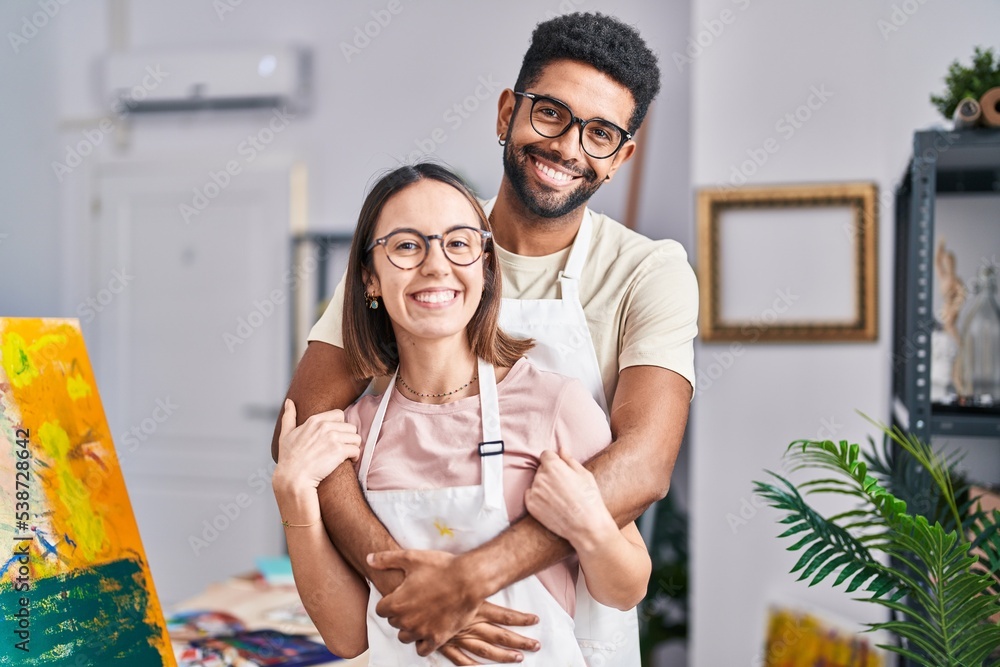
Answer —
(941, 581)
(966, 86)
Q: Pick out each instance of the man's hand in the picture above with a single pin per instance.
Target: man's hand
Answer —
(438, 601)
(483, 639)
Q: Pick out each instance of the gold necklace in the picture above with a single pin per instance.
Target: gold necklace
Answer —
(447, 393)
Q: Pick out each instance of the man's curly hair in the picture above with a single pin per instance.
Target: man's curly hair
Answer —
(603, 42)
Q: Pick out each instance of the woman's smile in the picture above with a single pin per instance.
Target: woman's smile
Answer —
(435, 297)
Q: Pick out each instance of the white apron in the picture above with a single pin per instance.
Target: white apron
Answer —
(609, 636)
(457, 519)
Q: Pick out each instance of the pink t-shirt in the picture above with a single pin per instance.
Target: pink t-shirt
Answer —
(538, 411)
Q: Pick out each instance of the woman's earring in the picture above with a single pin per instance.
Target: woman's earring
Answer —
(371, 300)
(501, 140)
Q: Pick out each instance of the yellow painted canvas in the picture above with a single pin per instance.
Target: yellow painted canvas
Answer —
(75, 587)
(799, 639)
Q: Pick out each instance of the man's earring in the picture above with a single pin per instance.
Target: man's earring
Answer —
(371, 300)
(501, 140)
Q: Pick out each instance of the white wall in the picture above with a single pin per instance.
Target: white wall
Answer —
(30, 264)
(383, 102)
(759, 67)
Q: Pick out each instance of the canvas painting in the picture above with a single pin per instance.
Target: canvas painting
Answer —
(800, 639)
(75, 587)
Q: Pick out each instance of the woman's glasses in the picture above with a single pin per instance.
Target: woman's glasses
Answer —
(407, 248)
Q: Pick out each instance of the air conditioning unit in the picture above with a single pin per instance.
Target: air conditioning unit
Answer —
(189, 80)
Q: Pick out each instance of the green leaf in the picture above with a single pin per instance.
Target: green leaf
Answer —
(847, 572)
(827, 569)
(819, 560)
(807, 556)
(860, 578)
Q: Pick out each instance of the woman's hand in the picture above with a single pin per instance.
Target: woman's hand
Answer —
(307, 454)
(565, 498)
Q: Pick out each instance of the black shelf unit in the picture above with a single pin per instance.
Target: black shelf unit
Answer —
(949, 163)
(942, 162)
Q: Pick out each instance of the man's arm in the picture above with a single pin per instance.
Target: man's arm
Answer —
(322, 382)
(648, 419)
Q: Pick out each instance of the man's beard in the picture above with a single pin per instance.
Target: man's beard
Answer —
(545, 203)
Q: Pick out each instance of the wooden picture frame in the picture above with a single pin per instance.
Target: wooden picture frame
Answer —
(817, 280)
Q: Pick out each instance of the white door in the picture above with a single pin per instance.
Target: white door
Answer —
(189, 334)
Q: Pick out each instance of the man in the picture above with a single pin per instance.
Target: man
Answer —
(605, 304)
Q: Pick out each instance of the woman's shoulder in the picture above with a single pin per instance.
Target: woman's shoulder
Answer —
(362, 410)
(561, 406)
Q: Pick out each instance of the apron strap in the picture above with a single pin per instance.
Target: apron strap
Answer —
(491, 448)
(376, 427)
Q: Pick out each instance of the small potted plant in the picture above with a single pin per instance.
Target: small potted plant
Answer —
(972, 93)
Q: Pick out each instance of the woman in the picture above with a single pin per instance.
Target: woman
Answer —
(451, 448)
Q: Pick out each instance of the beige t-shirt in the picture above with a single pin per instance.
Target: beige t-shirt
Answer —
(640, 298)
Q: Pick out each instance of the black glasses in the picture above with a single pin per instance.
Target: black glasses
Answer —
(551, 118)
(407, 248)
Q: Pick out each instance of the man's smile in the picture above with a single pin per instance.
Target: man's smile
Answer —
(552, 174)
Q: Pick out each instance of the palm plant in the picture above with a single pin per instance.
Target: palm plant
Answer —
(941, 592)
